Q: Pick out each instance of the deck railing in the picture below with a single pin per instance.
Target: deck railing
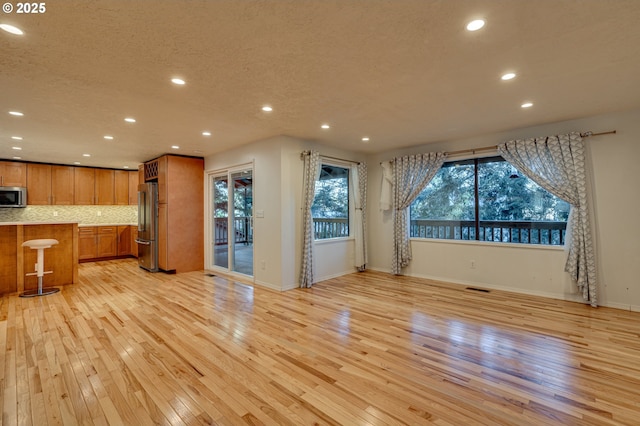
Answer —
(330, 227)
(241, 225)
(519, 231)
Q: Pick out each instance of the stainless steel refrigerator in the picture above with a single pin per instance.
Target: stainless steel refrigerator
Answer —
(148, 226)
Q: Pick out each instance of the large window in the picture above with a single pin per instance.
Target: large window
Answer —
(487, 199)
(330, 209)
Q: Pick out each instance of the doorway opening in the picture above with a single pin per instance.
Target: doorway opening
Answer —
(231, 220)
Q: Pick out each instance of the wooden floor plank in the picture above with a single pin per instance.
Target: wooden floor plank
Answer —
(124, 346)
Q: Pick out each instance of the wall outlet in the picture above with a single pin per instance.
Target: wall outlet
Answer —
(263, 265)
(55, 213)
(472, 264)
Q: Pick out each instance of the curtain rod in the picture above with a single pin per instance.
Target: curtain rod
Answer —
(491, 148)
(332, 158)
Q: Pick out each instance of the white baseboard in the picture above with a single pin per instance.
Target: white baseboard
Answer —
(339, 274)
(270, 286)
(558, 296)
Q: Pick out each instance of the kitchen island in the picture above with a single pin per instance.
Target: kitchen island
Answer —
(16, 261)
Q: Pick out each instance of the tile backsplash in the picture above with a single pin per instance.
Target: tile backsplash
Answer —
(126, 215)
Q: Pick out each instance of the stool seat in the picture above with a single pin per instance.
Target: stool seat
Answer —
(40, 245)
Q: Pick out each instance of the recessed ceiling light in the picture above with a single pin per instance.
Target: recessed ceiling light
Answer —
(86, 155)
(16, 113)
(475, 25)
(325, 126)
(16, 138)
(17, 148)
(365, 139)
(108, 137)
(175, 147)
(178, 81)
(130, 120)
(10, 28)
(267, 108)
(526, 105)
(205, 133)
(508, 76)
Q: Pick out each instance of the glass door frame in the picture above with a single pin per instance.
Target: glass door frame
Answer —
(209, 238)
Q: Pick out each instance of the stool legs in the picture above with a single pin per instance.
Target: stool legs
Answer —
(40, 273)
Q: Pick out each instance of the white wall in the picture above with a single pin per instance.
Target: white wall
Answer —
(613, 163)
(266, 196)
(278, 174)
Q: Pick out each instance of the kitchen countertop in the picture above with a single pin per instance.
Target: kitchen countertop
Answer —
(52, 222)
(81, 225)
(63, 222)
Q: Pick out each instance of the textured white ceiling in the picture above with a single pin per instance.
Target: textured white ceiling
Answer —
(401, 72)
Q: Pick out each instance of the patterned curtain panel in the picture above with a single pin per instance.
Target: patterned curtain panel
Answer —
(359, 184)
(311, 175)
(411, 175)
(557, 163)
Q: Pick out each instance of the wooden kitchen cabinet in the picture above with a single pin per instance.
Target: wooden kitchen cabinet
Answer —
(133, 188)
(87, 242)
(121, 187)
(38, 184)
(13, 173)
(62, 185)
(124, 240)
(84, 182)
(105, 187)
(180, 212)
(49, 185)
(8, 259)
(107, 241)
(163, 238)
(134, 237)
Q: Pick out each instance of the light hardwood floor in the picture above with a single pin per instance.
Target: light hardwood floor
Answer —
(128, 347)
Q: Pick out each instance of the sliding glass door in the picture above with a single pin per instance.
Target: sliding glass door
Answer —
(232, 220)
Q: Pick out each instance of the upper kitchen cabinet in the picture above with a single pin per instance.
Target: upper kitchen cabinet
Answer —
(134, 180)
(105, 187)
(85, 184)
(62, 185)
(121, 187)
(49, 185)
(13, 173)
(39, 184)
(156, 171)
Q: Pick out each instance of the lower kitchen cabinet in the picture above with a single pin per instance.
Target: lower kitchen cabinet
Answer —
(87, 242)
(106, 242)
(124, 240)
(134, 244)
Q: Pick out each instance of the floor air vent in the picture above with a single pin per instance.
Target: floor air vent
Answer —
(482, 290)
(210, 275)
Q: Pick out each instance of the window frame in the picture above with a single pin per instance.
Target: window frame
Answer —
(350, 204)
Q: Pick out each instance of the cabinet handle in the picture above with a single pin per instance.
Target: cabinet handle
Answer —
(145, 243)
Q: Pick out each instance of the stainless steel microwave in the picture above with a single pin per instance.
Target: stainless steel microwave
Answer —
(13, 196)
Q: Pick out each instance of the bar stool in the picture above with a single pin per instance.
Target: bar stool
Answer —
(40, 245)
